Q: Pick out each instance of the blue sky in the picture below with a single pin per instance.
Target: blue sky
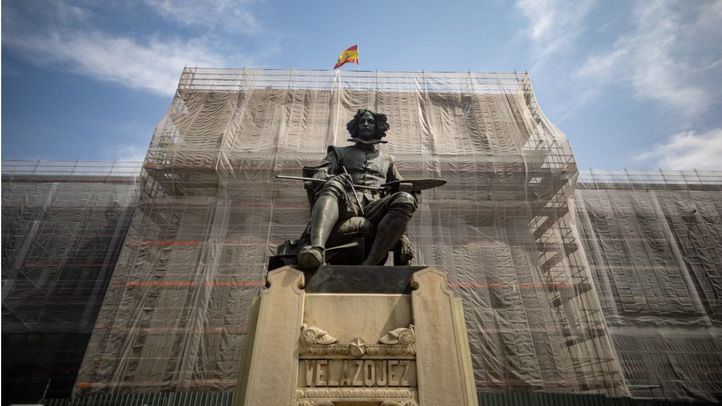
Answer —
(634, 84)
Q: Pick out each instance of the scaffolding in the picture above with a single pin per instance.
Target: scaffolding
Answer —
(64, 224)
(654, 243)
(211, 212)
(651, 241)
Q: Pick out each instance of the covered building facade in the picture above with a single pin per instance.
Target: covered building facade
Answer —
(605, 285)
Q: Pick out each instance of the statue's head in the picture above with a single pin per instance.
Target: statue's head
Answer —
(367, 127)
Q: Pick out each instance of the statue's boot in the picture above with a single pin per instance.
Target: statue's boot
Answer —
(311, 257)
(388, 232)
(323, 219)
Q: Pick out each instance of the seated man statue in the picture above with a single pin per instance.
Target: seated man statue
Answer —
(349, 185)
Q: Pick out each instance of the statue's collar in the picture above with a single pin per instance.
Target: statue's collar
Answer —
(366, 142)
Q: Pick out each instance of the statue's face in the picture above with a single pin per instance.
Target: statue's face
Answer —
(367, 127)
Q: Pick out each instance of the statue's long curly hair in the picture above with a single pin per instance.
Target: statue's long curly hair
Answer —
(381, 124)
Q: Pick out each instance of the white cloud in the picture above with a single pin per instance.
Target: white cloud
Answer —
(72, 42)
(603, 66)
(224, 15)
(665, 57)
(554, 25)
(128, 152)
(689, 150)
(155, 65)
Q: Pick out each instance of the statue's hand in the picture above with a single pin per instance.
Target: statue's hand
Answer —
(344, 179)
(322, 175)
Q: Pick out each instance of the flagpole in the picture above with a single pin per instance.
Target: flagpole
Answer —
(358, 58)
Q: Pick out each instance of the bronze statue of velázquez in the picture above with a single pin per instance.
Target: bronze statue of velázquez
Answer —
(360, 205)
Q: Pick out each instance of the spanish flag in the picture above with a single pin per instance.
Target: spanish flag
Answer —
(350, 55)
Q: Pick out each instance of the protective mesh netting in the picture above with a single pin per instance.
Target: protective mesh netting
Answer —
(211, 213)
(652, 240)
(63, 225)
(654, 243)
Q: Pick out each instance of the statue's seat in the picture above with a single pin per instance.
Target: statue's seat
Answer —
(356, 230)
(350, 234)
(353, 235)
(353, 227)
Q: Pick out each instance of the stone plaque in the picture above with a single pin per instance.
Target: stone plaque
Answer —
(370, 373)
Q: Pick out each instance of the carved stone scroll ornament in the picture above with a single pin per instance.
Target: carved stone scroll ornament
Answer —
(399, 336)
(314, 335)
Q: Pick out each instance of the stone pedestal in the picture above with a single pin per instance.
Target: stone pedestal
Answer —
(357, 336)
